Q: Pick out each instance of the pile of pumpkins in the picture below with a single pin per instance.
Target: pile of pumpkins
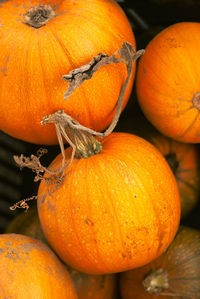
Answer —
(112, 226)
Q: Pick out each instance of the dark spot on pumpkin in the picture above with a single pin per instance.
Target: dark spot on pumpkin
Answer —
(89, 222)
(161, 236)
(123, 255)
(173, 43)
(4, 69)
(50, 206)
(144, 70)
(196, 100)
(8, 243)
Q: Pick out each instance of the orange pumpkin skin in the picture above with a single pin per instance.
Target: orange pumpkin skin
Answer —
(29, 269)
(87, 286)
(114, 211)
(180, 261)
(168, 79)
(33, 61)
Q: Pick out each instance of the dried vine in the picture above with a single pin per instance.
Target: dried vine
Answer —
(79, 137)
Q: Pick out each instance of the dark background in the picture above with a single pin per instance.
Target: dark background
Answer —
(147, 18)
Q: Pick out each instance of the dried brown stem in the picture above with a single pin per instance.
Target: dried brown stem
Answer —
(80, 138)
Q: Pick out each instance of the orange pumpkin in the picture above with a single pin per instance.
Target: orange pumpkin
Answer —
(168, 84)
(29, 269)
(40, 42)
(184, 162)
(87, 286)
(115, 210)
(183, 158)
(175, 274)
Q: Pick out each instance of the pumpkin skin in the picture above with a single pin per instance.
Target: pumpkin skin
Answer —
(94, 286)
(29, 269)
(183, 158)
(87, 286)
(39, 57)
(168, 79)
(28, 224)
(184, 161)
(181, 261)
(114, 211)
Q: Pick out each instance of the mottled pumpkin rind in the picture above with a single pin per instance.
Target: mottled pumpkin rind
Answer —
(29, 269)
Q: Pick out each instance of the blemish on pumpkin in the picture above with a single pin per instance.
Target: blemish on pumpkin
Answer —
(196, 100)
(88, 222)
(144, 70)
(50, 206)
(74, 211)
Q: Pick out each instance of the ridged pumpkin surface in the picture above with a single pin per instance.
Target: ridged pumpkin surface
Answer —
(33, 61)
(29, 269)
(168, 77)
(181, 263)
(184, 161)
(114, 211)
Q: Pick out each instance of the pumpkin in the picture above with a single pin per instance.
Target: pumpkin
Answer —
(28, 224)
(184, 162)
(175, 274)
(168, 85)
(182, 158)
(114, 210)
(87, 286)
(29, 269)
(94, 286)
(40, 42)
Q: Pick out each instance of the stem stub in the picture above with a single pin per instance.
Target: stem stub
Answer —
(38, 16)
(156, 282)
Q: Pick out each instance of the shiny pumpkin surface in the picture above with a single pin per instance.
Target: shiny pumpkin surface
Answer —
(167, 80)
(182, 263)
(114, 211)
(29, 269)
(33, 61)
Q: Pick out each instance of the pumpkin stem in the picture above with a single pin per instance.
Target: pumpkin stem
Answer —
(196, 100)
(156, 282)
(38, 16)
(82, 139)
(173, 162)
